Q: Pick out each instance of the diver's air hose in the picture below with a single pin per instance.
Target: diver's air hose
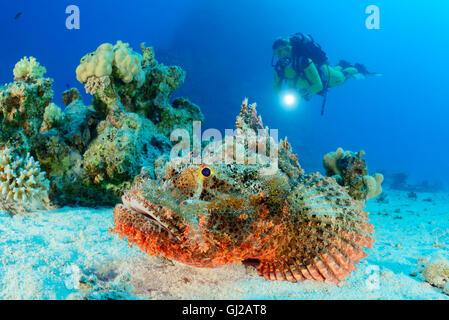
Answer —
(326, 87)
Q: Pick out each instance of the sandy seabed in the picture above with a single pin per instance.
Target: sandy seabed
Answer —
(70, 254)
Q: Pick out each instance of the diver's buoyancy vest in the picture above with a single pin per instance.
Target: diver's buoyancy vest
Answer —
(305, 46)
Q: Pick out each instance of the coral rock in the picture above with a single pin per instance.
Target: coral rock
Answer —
(52, 117)
(22, 107)
(437, 273)
(70, 96)
(125, 143)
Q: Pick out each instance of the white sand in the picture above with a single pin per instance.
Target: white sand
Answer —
(69, 253)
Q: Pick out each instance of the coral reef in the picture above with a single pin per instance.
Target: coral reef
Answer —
(145, 91)
(91, 154)
(22, 106)
(350, 170)
(21, 182)
(61, 147)
(132, 100)
(299, 226)
(125, 143)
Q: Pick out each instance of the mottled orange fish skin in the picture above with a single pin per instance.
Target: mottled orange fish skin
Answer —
(139, 230)
(300, 227)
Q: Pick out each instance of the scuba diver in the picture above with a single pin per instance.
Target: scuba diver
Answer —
(303, 66)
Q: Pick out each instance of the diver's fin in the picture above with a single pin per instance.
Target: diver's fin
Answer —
(344, 64)
(364, 71)
(361, 76)
(326, 234)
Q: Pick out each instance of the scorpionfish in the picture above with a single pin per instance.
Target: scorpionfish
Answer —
(298, 226)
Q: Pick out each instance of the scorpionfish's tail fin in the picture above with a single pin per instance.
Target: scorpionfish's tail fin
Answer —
(325, 234)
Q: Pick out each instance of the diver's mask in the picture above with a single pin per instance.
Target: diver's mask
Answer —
(281, 64)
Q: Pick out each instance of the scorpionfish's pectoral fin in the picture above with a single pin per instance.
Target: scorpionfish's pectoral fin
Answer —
(325, 235)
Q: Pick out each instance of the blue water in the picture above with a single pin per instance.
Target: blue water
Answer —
(400, 119)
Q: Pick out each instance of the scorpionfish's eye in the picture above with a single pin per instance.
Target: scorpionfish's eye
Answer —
(206, 172)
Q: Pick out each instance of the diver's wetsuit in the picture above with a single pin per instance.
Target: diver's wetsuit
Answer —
(299, 69)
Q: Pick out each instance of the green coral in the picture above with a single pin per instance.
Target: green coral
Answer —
(52, 117)
(180, 114)
(22, 107)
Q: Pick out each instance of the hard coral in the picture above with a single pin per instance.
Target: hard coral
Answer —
(437, 273)
(94, 84)
(373, 185)
(180, 114)
(123, 146)
(22, 106)
(52, 117)
(92, 153)
(350, 170)
(21, 181)
(28, 70)
(119, 61)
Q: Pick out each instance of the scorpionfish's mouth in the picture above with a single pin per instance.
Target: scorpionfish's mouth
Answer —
(139, 213)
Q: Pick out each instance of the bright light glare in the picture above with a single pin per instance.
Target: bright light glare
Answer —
(289, 99)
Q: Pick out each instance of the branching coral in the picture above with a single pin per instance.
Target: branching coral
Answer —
(28, 69)
(21, 178)
(350, 170)
(94, 84)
